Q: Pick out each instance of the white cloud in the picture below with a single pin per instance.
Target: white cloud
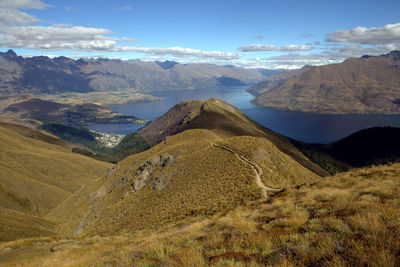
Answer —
(17, 31)
(269, 47)
(15, 17)
(333, 55)
(387, 34)
(186, 52)
(23, 4)
(57, 37)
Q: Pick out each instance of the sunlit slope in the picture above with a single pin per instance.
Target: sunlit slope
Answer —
(190, 175)
(39, 171)
(225, 121)
(350, 219)
(366, 85)
(16, 224)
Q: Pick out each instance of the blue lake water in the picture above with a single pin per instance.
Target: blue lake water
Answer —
(308, 127)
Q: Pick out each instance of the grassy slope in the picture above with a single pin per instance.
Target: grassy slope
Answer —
(351, 219)
(201, 181)
(15, 224)
(39, 171)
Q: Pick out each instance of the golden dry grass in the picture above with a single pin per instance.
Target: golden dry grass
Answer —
(351, 219)
(38, 171)
(202, 180)
(15, 224)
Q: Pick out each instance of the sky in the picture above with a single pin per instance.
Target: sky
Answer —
(281, 34)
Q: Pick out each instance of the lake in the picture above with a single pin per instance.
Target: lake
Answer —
(308, 127)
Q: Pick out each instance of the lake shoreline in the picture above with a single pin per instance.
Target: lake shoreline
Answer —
(303, 126)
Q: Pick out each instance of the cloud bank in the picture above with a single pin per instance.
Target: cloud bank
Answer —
(387, 34)
(17, 31)
(269, 47)
(187, 52)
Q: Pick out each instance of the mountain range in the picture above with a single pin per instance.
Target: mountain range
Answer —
(41, 74)
(366, 85)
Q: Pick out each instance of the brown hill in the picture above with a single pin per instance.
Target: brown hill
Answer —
(358, 85)
(16, 224)
(193, 174)
(275, 80)
(39, 171)
(351, 219)
(222, 119)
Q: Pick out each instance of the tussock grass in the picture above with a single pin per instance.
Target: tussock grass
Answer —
(356, 224)
(38, 171)
(202, 180)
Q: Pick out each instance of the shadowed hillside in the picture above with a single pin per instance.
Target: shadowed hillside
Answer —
(378, 145)
(222, 119)
(372, 146)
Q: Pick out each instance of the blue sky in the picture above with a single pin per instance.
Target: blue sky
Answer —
(252, 33)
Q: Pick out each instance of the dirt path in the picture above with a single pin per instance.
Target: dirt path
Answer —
(257, 170)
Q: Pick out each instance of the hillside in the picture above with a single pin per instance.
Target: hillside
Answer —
(367, 85)
(46, 75)
(193, 174)
(74, 114)
(351, 219)
(378, 145)
(39, 171)
(15, 224)
(372, 146)
(275, 80)
(222, 119)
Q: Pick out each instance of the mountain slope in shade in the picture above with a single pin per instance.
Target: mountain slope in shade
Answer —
(53, 76)
(222, 119)
(39, 171)
(370, 84)
(193, 174)
(378, 145)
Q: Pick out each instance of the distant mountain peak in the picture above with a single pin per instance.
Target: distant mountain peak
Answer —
(394, 55)
(168, 64)
(11, 52)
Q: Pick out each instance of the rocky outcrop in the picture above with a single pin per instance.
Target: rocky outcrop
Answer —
(152, 173)
(145, 173)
